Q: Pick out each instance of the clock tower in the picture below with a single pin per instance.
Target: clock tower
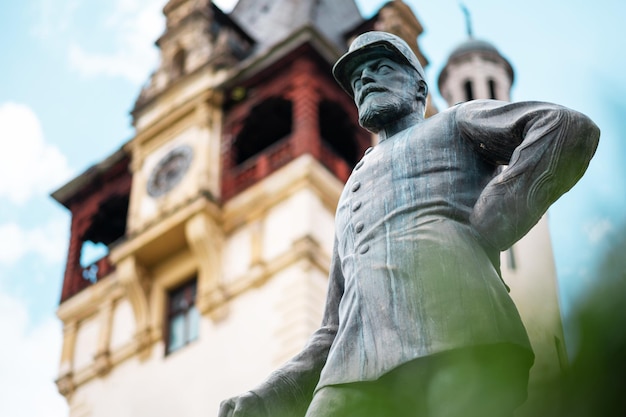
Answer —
(218, 215)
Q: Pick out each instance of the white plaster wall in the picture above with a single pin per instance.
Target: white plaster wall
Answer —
(123, 326)
(242, 345)
(237, 254)
(302, 214)
(157, 387)
(231, 356)
(86, 342)
(534, 289)
(283, 223)
(322, 224)
(300, 304)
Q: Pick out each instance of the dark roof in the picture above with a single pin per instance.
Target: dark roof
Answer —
(271, 21)
(67, 192)
(473, 45)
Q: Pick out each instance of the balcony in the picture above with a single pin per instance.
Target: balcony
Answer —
(82, 277)
(271, 159)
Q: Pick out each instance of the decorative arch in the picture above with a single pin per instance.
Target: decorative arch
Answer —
(492, 89)
(268, 123)
(469, 90)
(337, 131)
(178, 64)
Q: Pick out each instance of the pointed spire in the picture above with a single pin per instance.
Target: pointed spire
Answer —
(468, 20)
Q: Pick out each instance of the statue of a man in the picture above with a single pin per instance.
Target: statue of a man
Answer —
(418, 321)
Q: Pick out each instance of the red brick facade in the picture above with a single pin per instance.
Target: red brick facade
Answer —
(305, 80)
(85, 205)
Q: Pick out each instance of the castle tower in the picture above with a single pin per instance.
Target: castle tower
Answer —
(218, 215)
(477, 70)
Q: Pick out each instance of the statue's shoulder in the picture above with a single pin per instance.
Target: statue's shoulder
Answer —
(470, 110)
(464, 106)
(450, 114)
(478, 105)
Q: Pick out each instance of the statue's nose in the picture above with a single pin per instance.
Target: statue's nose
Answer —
(367, 76)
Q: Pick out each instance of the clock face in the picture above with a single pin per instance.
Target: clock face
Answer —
(169, 171)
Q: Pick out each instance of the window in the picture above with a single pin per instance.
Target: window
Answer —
(469, 91)
(267, 123)
(183, 318)
(178, 64)
(337, 131)
(492, 89)
(90, 254)
(106, 226)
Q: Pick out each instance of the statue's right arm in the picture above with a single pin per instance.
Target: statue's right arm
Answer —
(547, 148)
(289, 390)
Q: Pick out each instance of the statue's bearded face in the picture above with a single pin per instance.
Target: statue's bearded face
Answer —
(384, 91)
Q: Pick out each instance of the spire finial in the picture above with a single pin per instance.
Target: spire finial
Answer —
(468, 20)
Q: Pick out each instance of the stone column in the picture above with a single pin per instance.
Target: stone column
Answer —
(65, 382)
(205, 239)
(131, 275)
(102, 358)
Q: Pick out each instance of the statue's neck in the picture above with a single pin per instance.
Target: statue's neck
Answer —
(399, 125)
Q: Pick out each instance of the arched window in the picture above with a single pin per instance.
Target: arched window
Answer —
(266, 124)
(106, 226)
(178, 64)
(469, 90)
(492, 89)
(337, 131)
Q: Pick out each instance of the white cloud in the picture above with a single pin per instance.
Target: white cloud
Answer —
(52, 16)
(28, 165)
(48, 242)
(91, 64)
(598, 230)
(29, 361)
(133, 26)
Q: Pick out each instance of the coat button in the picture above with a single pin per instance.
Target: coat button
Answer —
(359, 165)
(368, 150)
(364, 249)
(356, 186)
(359, 227)
(356, 206)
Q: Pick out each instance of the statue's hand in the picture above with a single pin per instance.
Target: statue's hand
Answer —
(245, 405)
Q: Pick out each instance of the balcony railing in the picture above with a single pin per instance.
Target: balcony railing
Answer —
(271, 159)
(83, 277)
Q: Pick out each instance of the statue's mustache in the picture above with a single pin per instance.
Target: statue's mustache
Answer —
(368, 90)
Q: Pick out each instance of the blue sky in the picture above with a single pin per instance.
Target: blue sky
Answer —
(71, 69)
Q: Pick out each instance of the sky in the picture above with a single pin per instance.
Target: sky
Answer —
(70, 71)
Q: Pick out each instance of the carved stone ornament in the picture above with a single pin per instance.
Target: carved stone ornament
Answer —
(169, 171)
(65, 384)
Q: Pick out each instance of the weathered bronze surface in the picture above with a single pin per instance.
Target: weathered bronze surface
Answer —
(415, 276)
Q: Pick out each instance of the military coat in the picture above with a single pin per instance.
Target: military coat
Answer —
(419, 227)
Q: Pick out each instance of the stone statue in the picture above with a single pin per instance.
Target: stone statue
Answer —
(418, 321)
